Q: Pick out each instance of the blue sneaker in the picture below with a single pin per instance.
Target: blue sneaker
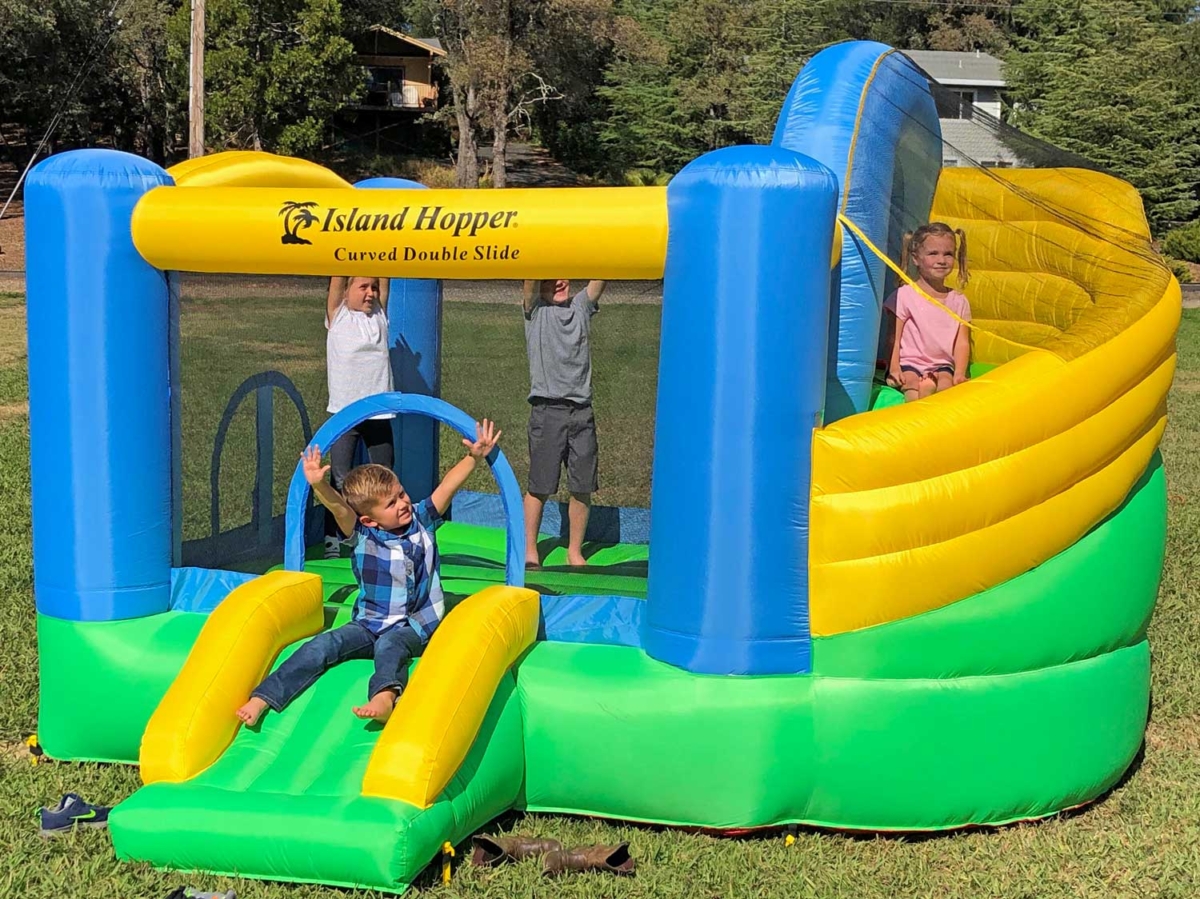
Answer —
(71, 811)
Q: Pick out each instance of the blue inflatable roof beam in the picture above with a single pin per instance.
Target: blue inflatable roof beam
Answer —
(740, 388)
(99, 392)
(415, 346)
(866, 112)
(409, 404)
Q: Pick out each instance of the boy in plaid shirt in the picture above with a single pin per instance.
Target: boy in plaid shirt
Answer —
(395, 562)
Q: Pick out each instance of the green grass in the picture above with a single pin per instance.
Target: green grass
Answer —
(1141, 840)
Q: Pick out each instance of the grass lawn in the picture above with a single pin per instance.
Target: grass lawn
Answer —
(1141, 840)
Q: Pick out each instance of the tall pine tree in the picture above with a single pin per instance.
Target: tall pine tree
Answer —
(1111, 80)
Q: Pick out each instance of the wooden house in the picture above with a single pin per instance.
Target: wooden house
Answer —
(399, 68)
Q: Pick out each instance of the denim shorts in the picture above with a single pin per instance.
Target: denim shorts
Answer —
(935, 370)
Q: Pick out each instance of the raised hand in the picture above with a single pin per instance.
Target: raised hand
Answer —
(314, 471)
(486, 437)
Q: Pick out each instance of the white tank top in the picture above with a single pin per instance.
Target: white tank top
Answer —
(356, 357)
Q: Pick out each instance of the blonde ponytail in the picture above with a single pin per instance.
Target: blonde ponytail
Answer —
(964, 275)
(906, 250)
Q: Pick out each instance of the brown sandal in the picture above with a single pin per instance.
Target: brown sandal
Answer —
(492, 851)
(612, 859)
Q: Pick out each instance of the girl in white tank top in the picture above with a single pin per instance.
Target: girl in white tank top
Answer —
(356, 347)
(357, 365)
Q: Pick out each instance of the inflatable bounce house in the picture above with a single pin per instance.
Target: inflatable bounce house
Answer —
(857, 613)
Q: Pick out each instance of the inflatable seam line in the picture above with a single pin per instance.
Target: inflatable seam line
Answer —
(1157, 422)
(862, 102)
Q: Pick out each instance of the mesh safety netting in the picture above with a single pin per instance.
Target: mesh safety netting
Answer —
(243, 337)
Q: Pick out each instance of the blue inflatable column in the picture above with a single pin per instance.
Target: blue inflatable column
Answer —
(99, 391)
(740, 388)
(415, 338)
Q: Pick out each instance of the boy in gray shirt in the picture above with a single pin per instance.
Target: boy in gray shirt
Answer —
(562, 429)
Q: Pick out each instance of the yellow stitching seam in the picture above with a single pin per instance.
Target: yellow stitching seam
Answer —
(862, 101)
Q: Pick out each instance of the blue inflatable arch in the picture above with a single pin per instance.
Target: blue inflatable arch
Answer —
(410, 404)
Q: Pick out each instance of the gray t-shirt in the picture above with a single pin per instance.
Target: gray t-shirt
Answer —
(560, 355)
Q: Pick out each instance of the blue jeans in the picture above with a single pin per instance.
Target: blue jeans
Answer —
(392, 651)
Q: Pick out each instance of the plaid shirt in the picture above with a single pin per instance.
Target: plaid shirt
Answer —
(398, 576)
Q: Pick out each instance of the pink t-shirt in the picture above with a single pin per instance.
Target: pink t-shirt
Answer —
(927, 340)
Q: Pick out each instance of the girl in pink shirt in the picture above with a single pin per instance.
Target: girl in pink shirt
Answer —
(930, 350)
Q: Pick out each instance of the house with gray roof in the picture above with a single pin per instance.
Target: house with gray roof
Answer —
(969, 107)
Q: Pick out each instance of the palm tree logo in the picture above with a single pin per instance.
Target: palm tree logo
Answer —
(296, 216)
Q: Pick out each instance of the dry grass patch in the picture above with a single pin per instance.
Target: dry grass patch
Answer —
(12, 752)
(12, 332)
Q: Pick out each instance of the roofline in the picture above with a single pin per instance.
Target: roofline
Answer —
(969, 82)
(434, 51)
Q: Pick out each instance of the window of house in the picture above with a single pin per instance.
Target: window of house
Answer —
(955, 104)
(949, 162)
(385, 85)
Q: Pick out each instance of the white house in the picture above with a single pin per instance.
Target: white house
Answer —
(973, 81)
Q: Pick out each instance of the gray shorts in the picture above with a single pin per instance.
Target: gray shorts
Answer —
(562, 432)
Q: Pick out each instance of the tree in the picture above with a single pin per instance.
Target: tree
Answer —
(115, 74)
(94, 69)
(145, 114)
(573, 61)
(455, 23)
(276, 71)
(1111, 81)
(645, 127)
(706, 74)
(35, 43)
(677, 83)
(503, 59)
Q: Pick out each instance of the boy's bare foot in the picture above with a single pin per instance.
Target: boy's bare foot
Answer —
(576, 560)
(379, 708)
(252, 711)
(532, 561)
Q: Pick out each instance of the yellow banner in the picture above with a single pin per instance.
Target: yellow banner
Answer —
(610, 232)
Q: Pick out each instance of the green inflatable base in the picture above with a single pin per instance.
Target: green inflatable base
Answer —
(100, 681)
(613, 733)
(606, 731)
(1019, 702)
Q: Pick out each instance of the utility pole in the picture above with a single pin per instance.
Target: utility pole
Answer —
(196, 83)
